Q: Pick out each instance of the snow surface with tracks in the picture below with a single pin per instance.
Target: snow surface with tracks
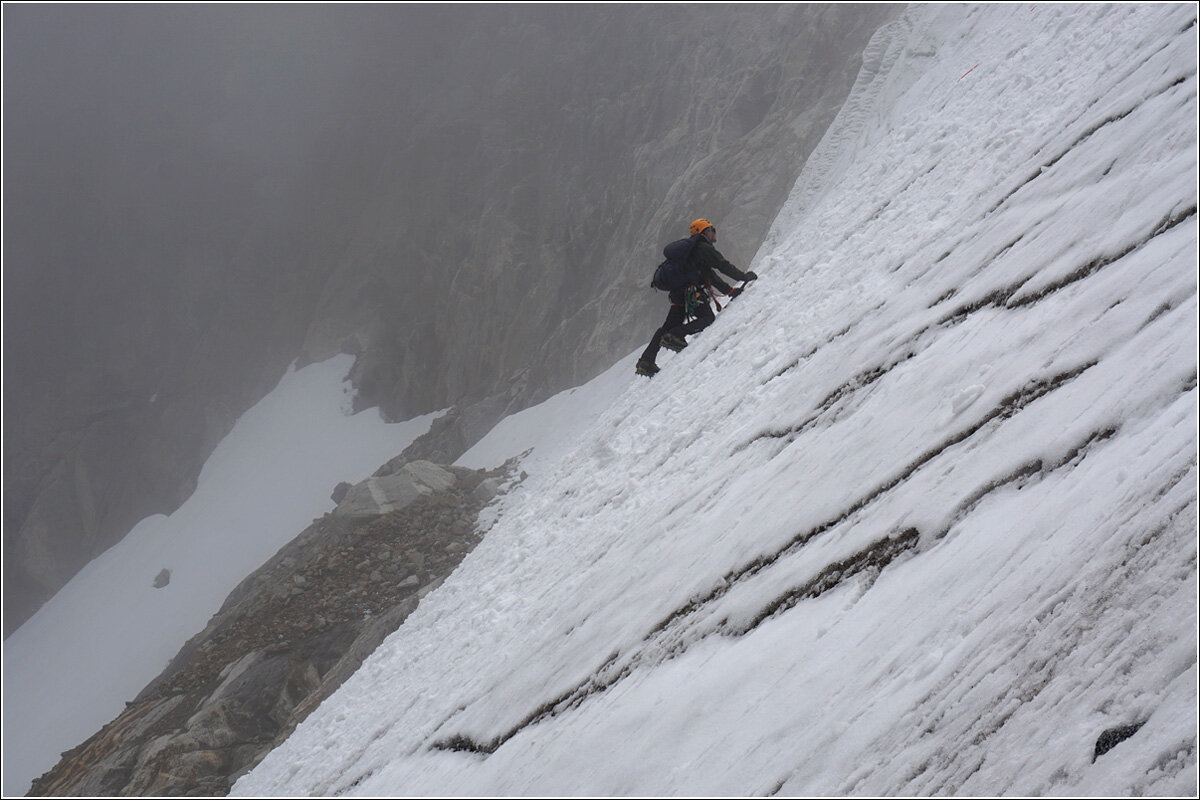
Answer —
(916, 515)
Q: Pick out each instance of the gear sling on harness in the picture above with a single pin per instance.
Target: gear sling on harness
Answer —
(694, 296)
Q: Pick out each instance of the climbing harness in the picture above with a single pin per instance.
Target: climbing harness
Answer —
(694, 296)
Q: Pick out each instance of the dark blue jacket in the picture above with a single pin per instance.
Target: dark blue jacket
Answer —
(707, 261)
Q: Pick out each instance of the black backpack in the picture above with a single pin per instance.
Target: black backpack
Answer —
(676, 272)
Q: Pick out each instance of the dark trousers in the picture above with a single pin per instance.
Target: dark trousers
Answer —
(675, 323)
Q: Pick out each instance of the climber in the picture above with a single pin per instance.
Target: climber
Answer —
(692, 299)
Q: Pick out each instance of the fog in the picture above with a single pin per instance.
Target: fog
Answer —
(140, 145)
(469, 198)
(165, 168)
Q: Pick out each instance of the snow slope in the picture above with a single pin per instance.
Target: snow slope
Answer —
(917, 515)
(964, 391)
(540, 436)
(69, 669)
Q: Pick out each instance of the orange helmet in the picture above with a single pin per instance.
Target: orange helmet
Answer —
(700, 226)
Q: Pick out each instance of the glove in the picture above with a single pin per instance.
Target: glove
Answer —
(750, 276)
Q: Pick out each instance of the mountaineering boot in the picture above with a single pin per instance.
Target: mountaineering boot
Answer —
(673, 342)
(647, 368)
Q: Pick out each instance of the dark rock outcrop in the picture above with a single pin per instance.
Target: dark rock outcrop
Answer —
(1113, 737)
(288, 636)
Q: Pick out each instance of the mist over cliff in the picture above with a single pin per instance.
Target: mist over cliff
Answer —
(915, 515)
(468, 199)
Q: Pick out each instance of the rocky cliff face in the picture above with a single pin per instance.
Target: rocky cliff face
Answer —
(286, 638)
(569, 147)
(472, 205)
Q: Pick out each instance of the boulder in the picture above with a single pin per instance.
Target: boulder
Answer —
(377, 496)
(340, 491)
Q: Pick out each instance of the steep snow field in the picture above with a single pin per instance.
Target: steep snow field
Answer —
(70, 668)
(917, 515)
(540, 436)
